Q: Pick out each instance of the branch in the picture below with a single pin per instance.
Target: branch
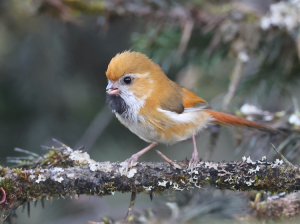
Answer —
(235, 79)
(279, 206)
(78, 174)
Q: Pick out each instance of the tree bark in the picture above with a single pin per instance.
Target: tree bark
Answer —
(278, 206)
(81, 175)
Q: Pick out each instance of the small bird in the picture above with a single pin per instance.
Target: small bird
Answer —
(157, 109)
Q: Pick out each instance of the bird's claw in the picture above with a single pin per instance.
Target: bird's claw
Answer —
(131, 162)
(193, 161)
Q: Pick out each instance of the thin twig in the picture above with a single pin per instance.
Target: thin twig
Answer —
(28, 209)
(62, 144)
(186, 35)
(282, 157)
(131, 204)
(95, 129)
(235, 80)
(26, 152)
(52, 148)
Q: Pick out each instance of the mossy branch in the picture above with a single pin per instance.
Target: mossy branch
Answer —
(277, 207)
(79, 174)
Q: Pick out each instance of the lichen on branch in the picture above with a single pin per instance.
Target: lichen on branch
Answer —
(79, 174)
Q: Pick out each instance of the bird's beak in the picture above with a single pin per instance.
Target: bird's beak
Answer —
(112, 88)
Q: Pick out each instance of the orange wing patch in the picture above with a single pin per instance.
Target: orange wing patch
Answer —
(191, 100)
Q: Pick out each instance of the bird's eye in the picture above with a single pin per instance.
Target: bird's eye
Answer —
(127, 80)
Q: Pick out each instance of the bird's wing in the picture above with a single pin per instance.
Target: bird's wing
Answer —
(192, 102)
(172, 101)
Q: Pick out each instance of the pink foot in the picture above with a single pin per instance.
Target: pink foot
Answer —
(193, 161)
(134, 158)
(131, 161)
(3, 195)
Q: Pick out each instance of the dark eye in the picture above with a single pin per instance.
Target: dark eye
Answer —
(127, 80)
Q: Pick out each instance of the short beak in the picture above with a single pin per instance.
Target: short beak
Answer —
(112, 88)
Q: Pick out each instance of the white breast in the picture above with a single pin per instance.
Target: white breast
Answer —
(133, 121)
(136, 126)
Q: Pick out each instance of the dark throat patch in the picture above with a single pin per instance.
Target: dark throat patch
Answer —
(116, 103)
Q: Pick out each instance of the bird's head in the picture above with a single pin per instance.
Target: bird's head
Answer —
(132, 77)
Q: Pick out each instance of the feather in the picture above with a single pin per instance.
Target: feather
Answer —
(129, 63)
(228, 119)
(191, 101)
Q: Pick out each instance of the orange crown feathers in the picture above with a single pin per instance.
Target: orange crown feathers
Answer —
(129, 63)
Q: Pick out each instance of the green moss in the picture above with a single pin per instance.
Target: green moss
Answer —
(7, 185)
(94, 7)
(57, 159)
(185, 179)
(251, 18)
(18, 171)
(109, 186)
(262, 204)
(269, 168)
(159, 190)
(2, 171)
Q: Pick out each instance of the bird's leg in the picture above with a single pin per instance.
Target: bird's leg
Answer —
(195, 158)
(134, 158)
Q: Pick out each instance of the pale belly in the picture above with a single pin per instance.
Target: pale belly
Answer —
(144, 132)
(179, 128)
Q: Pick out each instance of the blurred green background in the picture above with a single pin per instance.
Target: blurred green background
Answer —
(52, 81)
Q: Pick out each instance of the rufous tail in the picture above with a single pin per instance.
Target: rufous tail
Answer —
(228, 119)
